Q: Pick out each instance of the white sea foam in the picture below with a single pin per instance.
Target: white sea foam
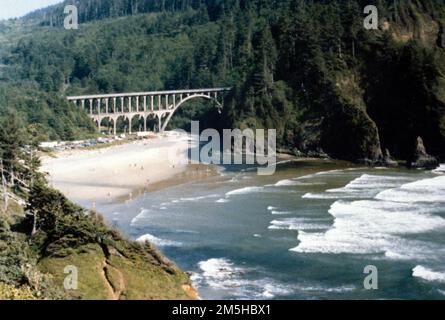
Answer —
(365, 186)
(299, 224)
(440, 170)
(286, 182)
(270, 208)
(281, 213)
(371, 226)
(193, 199)
(317, 288)
(428, 274)
(366, 183)
(141, 216)
(246, 190)
(329, 172)
(158, 242)
(295, 182)
(222, 200)
(321, 196)
(222, 274)
(271, 290)
(428, 190)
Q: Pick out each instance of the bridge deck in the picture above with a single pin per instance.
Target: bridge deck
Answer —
(149, 93)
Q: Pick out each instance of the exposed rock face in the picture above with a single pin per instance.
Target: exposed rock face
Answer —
(350, 134)
(388, 161)
(421, 159)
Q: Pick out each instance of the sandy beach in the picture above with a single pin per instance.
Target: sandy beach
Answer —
(95, 176)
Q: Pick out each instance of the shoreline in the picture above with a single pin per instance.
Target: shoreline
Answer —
(115, 172)
(118, 173)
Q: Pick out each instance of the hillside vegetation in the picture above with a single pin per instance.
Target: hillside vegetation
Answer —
(307, 68)
(42, 234)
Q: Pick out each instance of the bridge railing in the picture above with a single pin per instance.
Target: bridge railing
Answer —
(148, 93)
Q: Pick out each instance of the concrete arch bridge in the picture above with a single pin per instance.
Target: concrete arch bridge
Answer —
(159, 105)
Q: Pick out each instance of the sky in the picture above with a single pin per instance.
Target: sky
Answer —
(18, 8)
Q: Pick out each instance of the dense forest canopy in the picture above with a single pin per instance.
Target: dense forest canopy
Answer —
(307, 68)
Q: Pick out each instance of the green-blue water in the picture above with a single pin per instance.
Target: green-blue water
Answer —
(305, 233)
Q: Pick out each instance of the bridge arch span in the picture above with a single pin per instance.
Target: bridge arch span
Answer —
(108, 120)
(121, 120)
(170, 114)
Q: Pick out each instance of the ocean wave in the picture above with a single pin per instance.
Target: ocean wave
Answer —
(223, 274)
(222, 200)
(294, 182)
(440, 170)
(428, 274)
(272, 290)
(193, 199)
(141, 216)
(335, 171)
(286, 182)
(368, 183)
(246, 190)
(281, 213)
(365, 186)
(372, 227)
(322, 196)
(276, 211)
(317, 288)
(427, 190)
(158, 242)
(299, 224)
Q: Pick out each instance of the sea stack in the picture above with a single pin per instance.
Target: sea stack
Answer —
(421, 159)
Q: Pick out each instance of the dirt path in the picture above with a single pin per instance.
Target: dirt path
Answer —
(115, 290)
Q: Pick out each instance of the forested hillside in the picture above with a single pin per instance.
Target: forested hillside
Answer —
(307, 68)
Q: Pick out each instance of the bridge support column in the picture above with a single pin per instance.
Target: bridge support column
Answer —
(159, 124)
(99, 102)
(114, 126)
(129, 125)
(91, 106)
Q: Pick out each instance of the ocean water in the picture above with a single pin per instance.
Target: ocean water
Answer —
(306, 232)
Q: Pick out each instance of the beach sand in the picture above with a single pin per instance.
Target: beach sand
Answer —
(96, 176)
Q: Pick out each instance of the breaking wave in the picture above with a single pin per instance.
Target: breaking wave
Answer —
(299, 224)
(222, 274)
(377, 225)
(440, 170)
(428, 274)
(242, 191)
(158, 242)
